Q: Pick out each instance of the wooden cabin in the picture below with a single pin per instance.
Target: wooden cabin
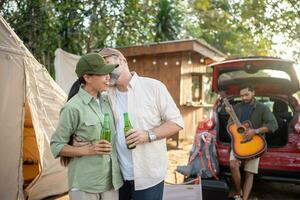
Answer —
(182, 66)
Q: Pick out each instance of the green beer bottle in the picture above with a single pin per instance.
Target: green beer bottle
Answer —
(105, 132)
(127, 127)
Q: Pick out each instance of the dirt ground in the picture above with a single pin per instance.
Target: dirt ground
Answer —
(177, 156)
(262, 190)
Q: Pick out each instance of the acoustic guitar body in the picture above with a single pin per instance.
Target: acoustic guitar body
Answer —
(245, 149)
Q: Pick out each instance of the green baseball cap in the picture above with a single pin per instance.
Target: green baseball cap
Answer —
(93, 63)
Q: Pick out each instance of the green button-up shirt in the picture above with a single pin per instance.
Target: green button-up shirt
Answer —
(83, 115)
(259, 116)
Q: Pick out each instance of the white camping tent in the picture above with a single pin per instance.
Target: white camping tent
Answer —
(65, 64)
(25, 154)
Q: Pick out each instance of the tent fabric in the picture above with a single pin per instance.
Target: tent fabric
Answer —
(22, 76)
(64, 64)
(11, 117)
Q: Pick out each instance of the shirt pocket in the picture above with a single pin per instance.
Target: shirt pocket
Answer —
(90, 129)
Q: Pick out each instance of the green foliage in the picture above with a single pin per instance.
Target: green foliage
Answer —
(286, 20)
(80, 26)
(30, 20)
(238, 28)
(134, 24)
(243, 28)
(168, 21)
(230, 27)
(68, 22)
(100, 23)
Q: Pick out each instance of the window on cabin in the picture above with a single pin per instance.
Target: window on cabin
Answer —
(196, 88)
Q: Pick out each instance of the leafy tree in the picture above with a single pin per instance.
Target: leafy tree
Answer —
(134, 23)
(284, 19)
(243, 28)
(68, 21)
(168, 21)
(225, 26)
(238, 28)
(100, 23)
(30, 20)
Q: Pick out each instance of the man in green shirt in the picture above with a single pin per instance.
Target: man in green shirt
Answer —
(263, 121)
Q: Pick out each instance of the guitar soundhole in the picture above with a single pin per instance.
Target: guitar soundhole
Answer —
(241, 129)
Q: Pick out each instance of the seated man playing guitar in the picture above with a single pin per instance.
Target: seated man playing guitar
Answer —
(249, 121)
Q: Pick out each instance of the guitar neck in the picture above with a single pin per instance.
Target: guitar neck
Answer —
(231, 112)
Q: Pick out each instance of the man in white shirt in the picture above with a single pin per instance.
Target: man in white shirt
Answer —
(154, 117)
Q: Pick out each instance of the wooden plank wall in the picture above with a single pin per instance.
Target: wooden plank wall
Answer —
(175, 75)
(168, 74)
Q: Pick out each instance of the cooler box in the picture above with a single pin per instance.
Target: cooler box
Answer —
(214, 189)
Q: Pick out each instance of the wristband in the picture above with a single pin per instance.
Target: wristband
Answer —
(258, 131)
(151, 136)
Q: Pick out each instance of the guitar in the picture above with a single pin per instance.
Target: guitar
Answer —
(242, 146)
